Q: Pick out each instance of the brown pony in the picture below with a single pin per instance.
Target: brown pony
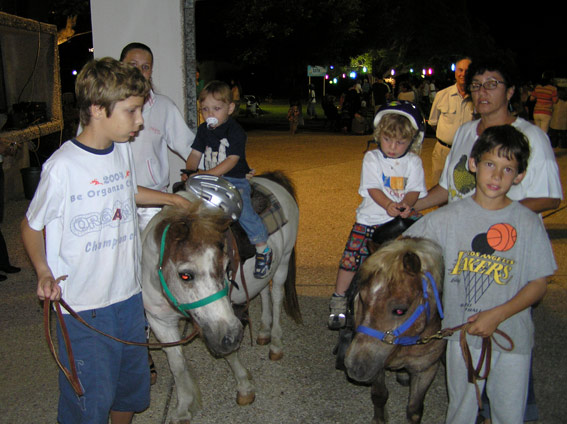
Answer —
(396, 305)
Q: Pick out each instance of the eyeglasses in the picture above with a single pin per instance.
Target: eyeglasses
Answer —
(487, 85)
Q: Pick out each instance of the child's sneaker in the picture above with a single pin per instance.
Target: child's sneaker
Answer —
(263, 263)
(338, 308)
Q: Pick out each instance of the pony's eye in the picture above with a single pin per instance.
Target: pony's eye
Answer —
(185, 276)
(399, 312)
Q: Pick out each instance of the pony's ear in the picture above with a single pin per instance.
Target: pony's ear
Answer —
(412, 263)
(180, 229)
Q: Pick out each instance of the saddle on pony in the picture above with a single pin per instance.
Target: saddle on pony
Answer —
(269, 209)
(218, 192)
(265, 205)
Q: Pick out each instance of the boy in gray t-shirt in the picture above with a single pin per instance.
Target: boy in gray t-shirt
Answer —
(498, 258)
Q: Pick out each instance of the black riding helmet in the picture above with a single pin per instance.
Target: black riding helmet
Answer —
(410, 111)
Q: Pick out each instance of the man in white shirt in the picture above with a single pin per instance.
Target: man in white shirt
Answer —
(451, 108)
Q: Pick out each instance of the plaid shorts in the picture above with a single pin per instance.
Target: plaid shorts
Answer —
(356, 249)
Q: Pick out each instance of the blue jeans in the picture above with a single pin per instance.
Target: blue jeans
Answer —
(249, 220)
(114, 376)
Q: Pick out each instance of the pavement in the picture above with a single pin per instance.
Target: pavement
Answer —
(304, 386)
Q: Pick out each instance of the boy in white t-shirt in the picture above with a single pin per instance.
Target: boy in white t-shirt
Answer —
(86, 203)
(392, 177)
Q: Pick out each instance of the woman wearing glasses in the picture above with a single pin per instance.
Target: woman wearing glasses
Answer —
(491, 87)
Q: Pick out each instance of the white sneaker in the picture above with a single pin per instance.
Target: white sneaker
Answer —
(338, 308)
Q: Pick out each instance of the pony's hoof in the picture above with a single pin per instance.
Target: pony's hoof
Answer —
(245, 399)
(263, 341)
(153, 377)
(275, 356)
(153, 371)
(403, 378)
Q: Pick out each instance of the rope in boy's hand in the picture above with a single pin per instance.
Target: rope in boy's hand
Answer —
(71, 374)
(475, 373)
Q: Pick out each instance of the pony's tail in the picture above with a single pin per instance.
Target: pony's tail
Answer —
(291, 304)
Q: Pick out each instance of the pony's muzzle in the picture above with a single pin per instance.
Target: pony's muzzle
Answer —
(364, 360)
(228, 342)
(223, 339)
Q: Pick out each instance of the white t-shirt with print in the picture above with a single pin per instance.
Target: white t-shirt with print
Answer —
(394, 177)
(85, 201)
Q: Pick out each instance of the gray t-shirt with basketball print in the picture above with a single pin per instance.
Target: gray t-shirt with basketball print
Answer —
(490, 255)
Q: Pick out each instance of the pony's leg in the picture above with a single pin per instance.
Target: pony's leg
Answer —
(379, 394)
(278, 282)
(245, 390)
(188, 393)
(264, 334)
(419, 384)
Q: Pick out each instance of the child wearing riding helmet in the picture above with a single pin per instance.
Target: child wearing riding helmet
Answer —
(221, 143)
(391, 181)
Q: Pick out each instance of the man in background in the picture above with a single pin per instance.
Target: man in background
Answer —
(451, 108)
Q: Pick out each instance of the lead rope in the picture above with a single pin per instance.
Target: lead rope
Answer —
(71, 374)
(243, 278)
(236, 263)
(474, 373)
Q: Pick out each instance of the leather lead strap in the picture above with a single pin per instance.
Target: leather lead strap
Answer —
(71, 374)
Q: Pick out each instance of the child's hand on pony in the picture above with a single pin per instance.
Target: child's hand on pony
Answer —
(406, 210)
(397, 209)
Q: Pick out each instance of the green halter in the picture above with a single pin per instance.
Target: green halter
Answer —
(185, 306)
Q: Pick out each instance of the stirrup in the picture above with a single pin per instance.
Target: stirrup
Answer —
(337, 321)
(263, 263)
(338, 308)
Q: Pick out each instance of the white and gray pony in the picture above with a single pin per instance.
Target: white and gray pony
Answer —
(186, 262)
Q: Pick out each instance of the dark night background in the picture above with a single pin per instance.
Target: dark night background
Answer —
(272, 42)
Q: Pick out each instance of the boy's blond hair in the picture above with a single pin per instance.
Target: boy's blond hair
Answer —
(219, 90)
(104, 82)
(394, 125)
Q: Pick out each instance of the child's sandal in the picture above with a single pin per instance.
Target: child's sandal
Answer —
(263, 263)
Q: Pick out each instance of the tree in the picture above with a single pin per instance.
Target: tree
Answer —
(288, 35)
(414, 34)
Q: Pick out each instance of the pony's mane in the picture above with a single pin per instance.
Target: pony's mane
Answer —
(195, 223)
(388, 260)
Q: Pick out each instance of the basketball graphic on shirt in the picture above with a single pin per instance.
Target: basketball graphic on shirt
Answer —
(480, 244)
(501, 237)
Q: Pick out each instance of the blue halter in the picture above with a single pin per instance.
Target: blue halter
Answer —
(183, 307)
(394, 336)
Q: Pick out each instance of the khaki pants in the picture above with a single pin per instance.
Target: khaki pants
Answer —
(438, 158)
